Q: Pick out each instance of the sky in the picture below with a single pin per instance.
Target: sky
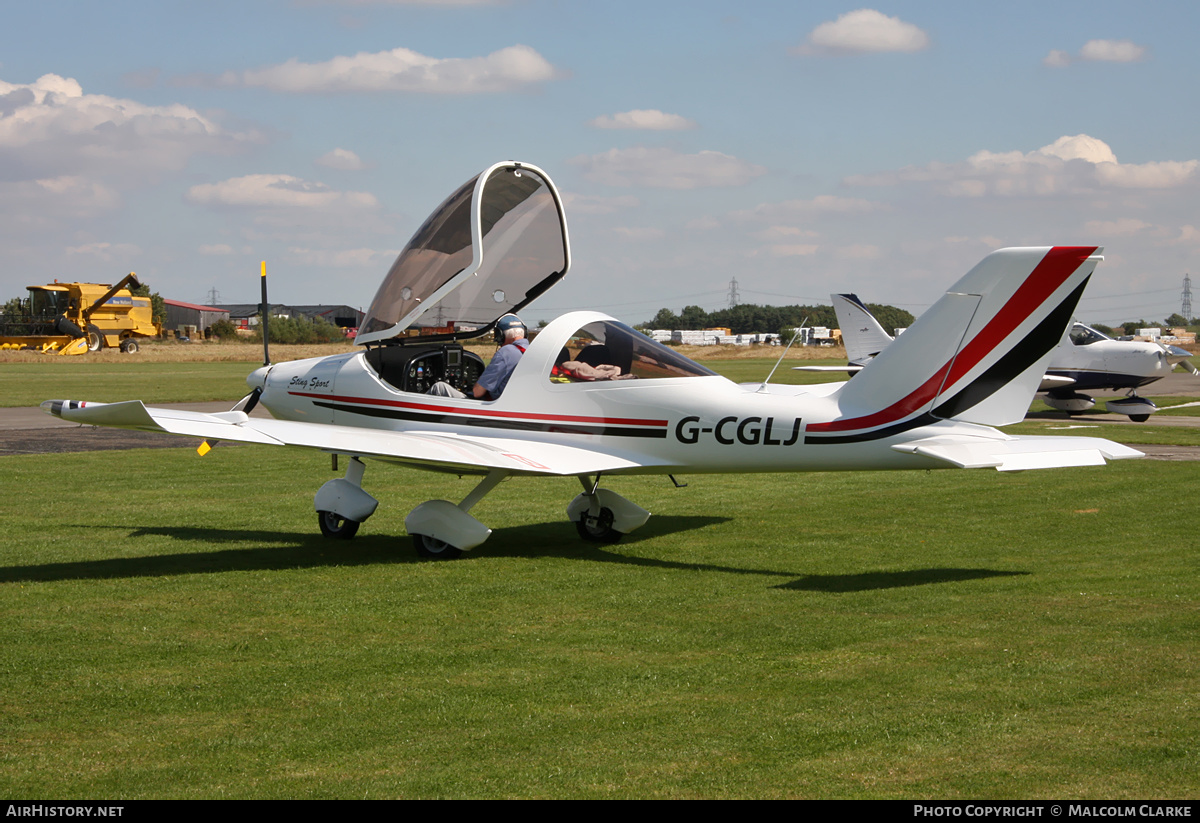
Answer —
(799, 148)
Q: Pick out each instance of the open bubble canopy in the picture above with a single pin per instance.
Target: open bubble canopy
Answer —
(490, 248)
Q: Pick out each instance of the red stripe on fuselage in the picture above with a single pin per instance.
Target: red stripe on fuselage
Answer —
(557, 418)
(1053, 270)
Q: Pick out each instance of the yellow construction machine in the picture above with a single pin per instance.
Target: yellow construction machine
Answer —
(75, 318)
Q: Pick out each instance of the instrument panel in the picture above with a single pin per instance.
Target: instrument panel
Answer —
(416, 368)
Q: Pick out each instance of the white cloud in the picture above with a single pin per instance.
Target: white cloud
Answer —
(667, 169)
(51, 128)
(706, 224)
(1109, 51)
(1113, 51)
(1188, 235)
(1122, 227)
(341, 159)
(644, 119)
(793, 250)
(789, 210)
(277, 191)
(864, 31)
(594, 204)
(341, 258)
(1056, 59)
(108, 252)
(859, 251)
(639, 232)
(37, 205)
(1080, 147)
(416, 2)
(1076, 164)
(402, 70)
(784, 232)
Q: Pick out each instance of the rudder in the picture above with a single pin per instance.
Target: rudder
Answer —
(976, 355)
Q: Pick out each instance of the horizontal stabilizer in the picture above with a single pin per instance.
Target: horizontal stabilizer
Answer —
(1018, 453)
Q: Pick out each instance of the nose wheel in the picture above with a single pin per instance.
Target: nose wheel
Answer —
(336, 527)
(430, 548)
(598, 528)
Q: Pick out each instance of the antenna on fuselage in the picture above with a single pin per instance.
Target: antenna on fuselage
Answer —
(795, 334)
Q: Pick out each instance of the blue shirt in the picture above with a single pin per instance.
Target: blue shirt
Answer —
(495, 376)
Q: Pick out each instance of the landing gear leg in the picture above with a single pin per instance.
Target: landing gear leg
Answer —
(443, 531)
(342, 504)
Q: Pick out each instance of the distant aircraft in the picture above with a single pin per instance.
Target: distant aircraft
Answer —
(500, 241)
(1084, 360)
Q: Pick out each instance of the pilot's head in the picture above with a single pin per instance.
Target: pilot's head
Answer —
(509, 328)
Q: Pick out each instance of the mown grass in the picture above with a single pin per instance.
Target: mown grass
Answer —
(172, 626)
(28, 384)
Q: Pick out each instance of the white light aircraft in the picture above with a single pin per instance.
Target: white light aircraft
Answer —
(929, 401)
(1084, 359)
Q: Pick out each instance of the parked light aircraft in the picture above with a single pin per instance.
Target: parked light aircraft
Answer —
(1084, 359)
(498, 242)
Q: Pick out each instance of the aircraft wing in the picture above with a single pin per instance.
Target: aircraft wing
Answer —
(1018, 453)
(1054, 381)
(434, 450)
(849, 367)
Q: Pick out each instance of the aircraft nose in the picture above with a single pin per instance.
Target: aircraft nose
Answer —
(258, 378)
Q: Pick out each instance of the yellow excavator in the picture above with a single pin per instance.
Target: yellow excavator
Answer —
(75, 318)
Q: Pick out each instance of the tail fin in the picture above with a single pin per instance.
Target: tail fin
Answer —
(862, 335)
(977, 355)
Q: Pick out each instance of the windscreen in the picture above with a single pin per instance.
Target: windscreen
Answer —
(440, 279)
(609, 342)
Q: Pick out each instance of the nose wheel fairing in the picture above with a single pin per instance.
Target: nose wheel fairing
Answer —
(603, 516)
(344, 500)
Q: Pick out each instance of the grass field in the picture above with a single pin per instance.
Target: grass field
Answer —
(177, 628)
(172, 626)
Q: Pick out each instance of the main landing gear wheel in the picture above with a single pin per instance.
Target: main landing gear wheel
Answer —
(336, 527)
(1139, 418)
(598, 529)
(431, 548)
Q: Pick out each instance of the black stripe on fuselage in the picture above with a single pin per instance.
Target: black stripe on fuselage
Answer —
(923, 419)
(492, 423)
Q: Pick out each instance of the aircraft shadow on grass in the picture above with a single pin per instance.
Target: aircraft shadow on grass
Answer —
(297, 550)
(871, 581)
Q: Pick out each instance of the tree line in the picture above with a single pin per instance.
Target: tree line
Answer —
(748, 318)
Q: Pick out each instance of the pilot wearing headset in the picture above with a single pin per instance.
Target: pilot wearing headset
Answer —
(510, 334)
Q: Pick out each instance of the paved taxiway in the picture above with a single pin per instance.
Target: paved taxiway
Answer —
(32, 431)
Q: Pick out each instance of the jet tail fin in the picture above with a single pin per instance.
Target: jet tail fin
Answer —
(862, 335)
(977, 355)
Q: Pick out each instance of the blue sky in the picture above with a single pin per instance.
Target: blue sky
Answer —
(802, 148)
